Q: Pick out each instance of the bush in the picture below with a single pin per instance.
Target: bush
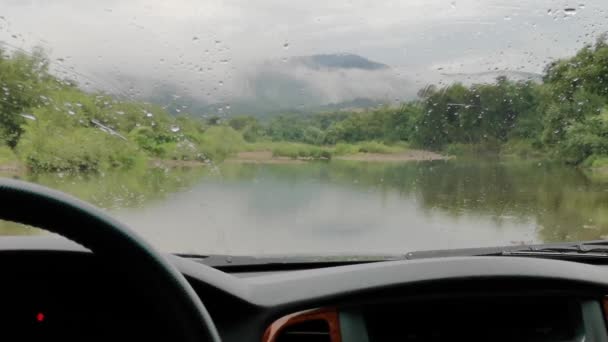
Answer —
(522, 148)
(45, 147)
(286, 150)
(304, 151)
(7, 155)
(342, 149)
(219, 142)
(376, 147)
(600, 162)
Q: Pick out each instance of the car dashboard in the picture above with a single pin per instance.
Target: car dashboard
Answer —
(59, 290)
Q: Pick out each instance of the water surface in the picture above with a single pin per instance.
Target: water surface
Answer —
(343, 207)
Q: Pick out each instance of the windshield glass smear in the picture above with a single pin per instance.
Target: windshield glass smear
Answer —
(320, 128)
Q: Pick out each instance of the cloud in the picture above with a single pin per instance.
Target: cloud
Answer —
(207, 47)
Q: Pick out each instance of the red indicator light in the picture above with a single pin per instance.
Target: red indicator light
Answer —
(40, 317)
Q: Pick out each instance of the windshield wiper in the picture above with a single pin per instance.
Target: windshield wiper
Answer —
(274, 263)
(596, 250)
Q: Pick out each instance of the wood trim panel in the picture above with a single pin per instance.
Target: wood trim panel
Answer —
(330, 315)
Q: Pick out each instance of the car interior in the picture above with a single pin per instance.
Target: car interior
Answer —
(108, 283)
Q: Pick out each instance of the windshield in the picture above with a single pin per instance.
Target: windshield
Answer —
(314, 127)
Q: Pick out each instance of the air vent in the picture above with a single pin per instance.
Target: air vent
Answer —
(316, 325)
(316, 330)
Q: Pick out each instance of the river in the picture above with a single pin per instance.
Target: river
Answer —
(346, 207)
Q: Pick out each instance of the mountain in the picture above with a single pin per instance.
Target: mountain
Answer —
(321, 82)
(300, 84)
(337, 61)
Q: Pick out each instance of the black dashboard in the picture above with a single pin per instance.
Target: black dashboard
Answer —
(53, 289)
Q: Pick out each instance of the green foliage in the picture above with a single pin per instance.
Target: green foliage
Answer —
(522, 148)
(599, 162)
(376, 147)
(564, 117)
(342, 149)
(7, 155)
(584, 139)
(24, 80)
(248, 126)
(304, 151)
(219, 142)
(46, 147)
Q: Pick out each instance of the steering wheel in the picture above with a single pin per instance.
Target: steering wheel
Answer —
(82, 223)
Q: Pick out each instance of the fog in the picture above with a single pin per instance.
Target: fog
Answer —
(214, 50)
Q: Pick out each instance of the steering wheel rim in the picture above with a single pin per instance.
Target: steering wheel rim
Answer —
(83, 223)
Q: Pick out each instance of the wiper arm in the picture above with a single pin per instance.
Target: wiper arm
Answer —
(597, 249)
(249, 263)
(587, 250)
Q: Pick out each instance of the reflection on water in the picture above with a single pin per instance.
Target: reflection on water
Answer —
(350, 207)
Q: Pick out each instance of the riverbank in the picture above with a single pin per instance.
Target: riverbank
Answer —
(267, 157)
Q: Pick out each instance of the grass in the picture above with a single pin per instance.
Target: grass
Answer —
(7, 155)
(308, 151)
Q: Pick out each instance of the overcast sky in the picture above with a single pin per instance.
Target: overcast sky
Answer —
(209, 43)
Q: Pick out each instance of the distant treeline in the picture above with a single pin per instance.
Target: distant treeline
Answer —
(565, 117)
(48, 123)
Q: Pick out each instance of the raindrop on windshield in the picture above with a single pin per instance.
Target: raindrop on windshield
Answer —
(149, 115)
(195, 38)
(175, 129)
(453, 4)
(29, 116)
(570, 11)
(286, 45)
(71, 112)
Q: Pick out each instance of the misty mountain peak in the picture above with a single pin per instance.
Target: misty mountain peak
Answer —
(337, 61)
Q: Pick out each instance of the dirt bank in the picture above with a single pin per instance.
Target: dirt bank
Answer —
(265, 157)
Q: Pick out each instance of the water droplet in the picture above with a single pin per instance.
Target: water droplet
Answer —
(175, 128)
(570, 11)
(71, 112)
(453, 4)
(149, 115)
(221, 83)
(549, 12)
(162, 60)
(60, 60)
(286, 45)
(29, 116)
(194, 38)
(120, 112)
(507, 18)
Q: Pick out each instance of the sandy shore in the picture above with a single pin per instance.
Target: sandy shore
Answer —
(262, 157)
(409, 155)
(265, 157)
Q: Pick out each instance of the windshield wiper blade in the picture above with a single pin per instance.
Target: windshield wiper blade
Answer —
(596, 249)
(237, 263)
